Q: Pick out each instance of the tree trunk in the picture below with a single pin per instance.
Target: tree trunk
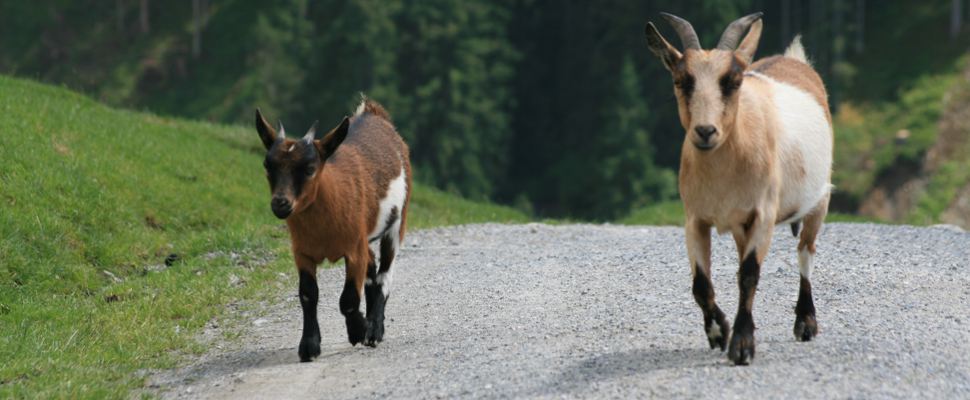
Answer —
(196, 28)
(956, 18)
(860, 25)
(120, 15)
(143, 17)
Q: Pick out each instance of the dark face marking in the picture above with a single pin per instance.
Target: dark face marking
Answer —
(731, 81)
(289, 166)
(684, 81)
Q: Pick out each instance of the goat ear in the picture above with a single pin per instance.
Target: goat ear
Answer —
(328, 145)
(266, 132)
(749, 45)
(661, 47)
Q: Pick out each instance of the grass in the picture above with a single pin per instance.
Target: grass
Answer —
(663, 213)
(92, 200)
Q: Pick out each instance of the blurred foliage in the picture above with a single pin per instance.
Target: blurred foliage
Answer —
(538, 103)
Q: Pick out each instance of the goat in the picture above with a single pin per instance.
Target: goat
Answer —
(338, 194)
(757, 152)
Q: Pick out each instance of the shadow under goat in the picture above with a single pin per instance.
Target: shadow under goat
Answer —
(339, 194)
(757, 152)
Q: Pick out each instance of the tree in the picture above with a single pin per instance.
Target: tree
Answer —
(625, 175)
(143, 16)
(199, 11)
(455, 64)
(956, 18)
(280, 42)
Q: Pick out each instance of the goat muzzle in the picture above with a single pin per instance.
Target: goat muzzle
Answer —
(282, 207)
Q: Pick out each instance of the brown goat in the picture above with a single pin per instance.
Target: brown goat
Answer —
(338, 195)
(757, 152)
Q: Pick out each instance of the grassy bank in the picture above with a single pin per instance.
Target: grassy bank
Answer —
(92, 202)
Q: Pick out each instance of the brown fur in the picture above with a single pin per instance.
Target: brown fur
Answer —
(797, 74)
(340, 206)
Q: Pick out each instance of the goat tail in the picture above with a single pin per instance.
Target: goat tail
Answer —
(367, 105)
(797, 51)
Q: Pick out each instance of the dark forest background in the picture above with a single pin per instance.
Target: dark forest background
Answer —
(554, 107)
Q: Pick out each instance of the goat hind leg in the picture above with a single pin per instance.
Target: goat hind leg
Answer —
(350, 297)
(806, 326)
(381, 289)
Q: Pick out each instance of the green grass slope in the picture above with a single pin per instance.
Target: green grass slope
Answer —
(92, 200)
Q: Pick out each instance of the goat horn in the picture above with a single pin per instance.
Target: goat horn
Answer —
(732, 35)
(688, 38)
(312, 133)
(282, 132)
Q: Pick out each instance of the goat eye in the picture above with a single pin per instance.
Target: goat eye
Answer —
(729, 85)
(310, 171)
(685, 84)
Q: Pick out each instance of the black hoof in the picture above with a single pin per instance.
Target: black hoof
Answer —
(742, 348)
(375, 333)
(309, 348)
(356, 327)
(806, 328)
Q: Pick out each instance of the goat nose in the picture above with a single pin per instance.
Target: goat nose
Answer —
(705, 131)
(279, 202)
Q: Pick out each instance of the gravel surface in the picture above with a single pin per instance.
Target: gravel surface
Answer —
(604, 311)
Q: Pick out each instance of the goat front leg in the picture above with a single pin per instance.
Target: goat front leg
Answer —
(356, 268)
(698, 235)
(753, 240)
(309, 295)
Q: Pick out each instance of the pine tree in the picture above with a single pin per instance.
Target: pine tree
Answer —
(626, 175)
(280, 42)
(455, 66)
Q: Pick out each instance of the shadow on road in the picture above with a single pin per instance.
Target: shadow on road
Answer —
(606, 367)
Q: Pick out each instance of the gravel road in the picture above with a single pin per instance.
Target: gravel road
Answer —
(601, 311)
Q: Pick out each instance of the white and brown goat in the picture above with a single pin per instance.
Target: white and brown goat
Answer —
(338, 195)
(757, 152)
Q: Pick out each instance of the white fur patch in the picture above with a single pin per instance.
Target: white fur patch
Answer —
(715, 331)
(797, 51)
(805, 136)
(362, 106)
(397, 192)
(384, 279)
(805, 258)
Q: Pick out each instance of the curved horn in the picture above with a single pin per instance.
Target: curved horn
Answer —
(688, 38)
(282, 132)
(311, 134)
(732, 34)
